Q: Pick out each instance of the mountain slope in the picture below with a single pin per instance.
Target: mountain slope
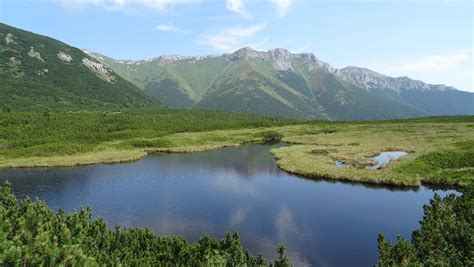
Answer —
(243, 88)
(279, 83)
(38, 72)
(434, 99)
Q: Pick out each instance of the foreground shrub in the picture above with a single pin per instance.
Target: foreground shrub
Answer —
(271, 136)
(445, 237)
(31, 234)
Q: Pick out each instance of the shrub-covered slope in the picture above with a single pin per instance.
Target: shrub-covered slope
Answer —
(38, 72)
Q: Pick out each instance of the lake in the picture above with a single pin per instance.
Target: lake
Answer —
(234, 189)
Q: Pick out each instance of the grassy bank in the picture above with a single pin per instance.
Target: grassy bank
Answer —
(438, 152)
(440, 149)
(79, 138)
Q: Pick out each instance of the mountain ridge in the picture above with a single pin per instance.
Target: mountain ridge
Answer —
(280, 83)
(250, 53)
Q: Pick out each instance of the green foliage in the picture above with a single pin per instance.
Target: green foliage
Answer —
(6, 108)
(66, 133)
(445, 237)
(283, 260)
(448, 166)
(146, 143)
(448, 159)
(271, 136)
(31, 234)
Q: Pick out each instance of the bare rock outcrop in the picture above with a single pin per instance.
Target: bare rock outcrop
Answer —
(10, 39)
(15, 61)
(35, 54)
(95, 66)
(64, 57)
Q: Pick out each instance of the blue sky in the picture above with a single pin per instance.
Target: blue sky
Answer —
(427, 40)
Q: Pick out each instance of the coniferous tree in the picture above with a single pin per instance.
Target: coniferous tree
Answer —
(445, 237)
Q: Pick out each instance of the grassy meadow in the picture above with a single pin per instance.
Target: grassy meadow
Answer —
(441, 150)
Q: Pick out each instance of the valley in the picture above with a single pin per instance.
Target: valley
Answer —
(281, 157)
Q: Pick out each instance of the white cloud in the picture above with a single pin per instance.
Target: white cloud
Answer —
(170, 27)
(237, 6)
(231, 39)
(245, 31)
(305, 48)
(285, 224)
(282, 6)
(164, 27)
(238, 216)
(434, 63)
(453, 68)
(159, 5)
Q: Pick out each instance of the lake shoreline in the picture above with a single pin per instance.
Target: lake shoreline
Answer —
(438, 153)
(131, 156)
(232, 189)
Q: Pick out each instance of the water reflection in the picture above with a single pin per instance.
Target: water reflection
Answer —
(322, 223)
(385, 157)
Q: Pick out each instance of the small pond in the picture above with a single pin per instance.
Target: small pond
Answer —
(385, 157)
(234, 189)
(382, 159)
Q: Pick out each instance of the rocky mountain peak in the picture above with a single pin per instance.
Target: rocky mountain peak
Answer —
(281, 58)
(248, 53)
(280, 53)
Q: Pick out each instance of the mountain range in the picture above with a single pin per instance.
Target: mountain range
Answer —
(38, 71)
(280, 83)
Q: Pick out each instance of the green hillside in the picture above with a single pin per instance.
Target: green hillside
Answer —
(279, 83)
(244, 87)
(38, 72)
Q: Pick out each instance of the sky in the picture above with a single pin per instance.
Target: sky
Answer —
(428, 40)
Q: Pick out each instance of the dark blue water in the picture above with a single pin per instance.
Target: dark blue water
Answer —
(234, 189)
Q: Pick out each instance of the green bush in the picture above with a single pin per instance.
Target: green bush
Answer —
(445, 237)
(450, 167)
(271, 136)
(144, 143)
(449, 159)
